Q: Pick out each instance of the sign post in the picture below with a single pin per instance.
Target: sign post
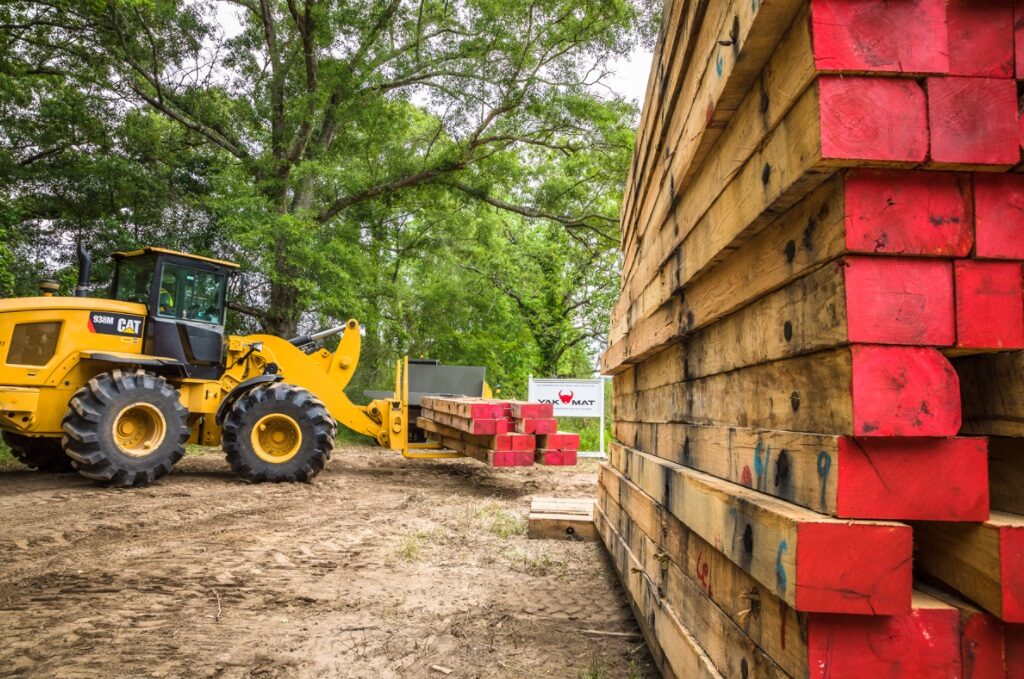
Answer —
(572, 398)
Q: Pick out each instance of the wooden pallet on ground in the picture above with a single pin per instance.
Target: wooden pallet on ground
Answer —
(565, 518)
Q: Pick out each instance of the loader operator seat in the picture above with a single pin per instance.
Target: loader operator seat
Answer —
(185, 296)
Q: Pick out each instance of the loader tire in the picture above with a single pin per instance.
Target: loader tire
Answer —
(44, 454)
(276, 433)
(125, 428)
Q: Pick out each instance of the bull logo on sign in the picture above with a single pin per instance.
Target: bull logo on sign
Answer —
(565, 398)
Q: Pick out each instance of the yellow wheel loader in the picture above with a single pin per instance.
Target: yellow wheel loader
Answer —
(115, 388)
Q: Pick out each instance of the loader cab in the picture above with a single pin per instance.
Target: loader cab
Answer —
(186, 298)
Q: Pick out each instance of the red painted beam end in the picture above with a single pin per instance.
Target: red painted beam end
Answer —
(973, 121)
(999, 215)
(928, 479)
(892, 300)
(903, 212)
(909, 36)
(923, 643)
(873, 119)
(904, 391)
(981, 38)
(989, 304)
(863, 569)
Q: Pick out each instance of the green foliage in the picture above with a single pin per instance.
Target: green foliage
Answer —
(441, 170)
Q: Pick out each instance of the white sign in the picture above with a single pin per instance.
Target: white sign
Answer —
(572, 398)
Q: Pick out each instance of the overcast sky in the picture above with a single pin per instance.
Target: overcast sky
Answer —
(628, 77)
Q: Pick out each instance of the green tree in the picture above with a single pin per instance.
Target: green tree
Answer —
(316, 124)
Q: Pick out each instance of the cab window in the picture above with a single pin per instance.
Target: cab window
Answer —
(191, 294)
(134, 279)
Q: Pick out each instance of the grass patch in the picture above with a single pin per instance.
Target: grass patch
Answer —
(502, 523)
(412, 544)
(539, 564)
(596, 669)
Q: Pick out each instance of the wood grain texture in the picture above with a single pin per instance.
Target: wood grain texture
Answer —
(853, 126)
(992, 392)
(873, 211)
(468, 425)
(768, 621)
(881, 478)
(982, 561)
(468, 408)
(989, 305)
(725, 66)
(501, 442)
(1006, 474)
(561, 518)
(856, 299)
(908, 36)
(728, 646)
(999, 215)
(864, 390)
(982, 636)
(981, 36)
(973, 122)
(683, 655)
(787, 548)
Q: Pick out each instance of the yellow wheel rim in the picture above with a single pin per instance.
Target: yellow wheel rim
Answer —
(139, 429)
(276, 438)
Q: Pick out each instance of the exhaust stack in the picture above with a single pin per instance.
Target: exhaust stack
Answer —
(84, 267)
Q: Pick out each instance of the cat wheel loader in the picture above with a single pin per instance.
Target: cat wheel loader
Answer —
(115, 388)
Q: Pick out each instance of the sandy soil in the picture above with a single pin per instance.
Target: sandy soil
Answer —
(383, 567)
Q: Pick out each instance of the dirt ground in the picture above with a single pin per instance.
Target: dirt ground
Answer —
(383, 567)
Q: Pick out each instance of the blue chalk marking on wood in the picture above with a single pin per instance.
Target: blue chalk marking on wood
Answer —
(780, 571)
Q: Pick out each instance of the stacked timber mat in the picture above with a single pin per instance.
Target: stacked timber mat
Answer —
(498, 433)
(818, 375)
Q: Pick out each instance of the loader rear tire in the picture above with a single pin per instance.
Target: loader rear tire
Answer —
(125, 428)
(44, 454)
(276, 433)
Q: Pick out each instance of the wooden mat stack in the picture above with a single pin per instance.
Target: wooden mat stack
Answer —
(498, 433)
(821, 295)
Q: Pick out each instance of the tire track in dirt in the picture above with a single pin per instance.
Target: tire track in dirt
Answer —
(381, 568)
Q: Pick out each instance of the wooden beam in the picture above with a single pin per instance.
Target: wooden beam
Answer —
(972, 123)
(869, 478)
(1006, 474)
(998, 205)
(561, 518)
(981, 38)
(922, 643)
(992, 394)
(728, 646)
(811, 561)
(863, 390)
(989, 305)
(470, 426)
(468, 408)
(856, 299)
(801, 153)
(868, 211)
(500, 442)
(683, 656)
(860, 35)
(787, 75)
(719, 74)
(982, 636)
(982, 561)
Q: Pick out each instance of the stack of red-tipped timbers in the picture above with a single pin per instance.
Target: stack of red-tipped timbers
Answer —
(498, 433)
(817, 349)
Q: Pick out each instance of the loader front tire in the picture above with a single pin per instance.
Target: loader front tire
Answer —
(44, 454)
(125, 428)
(276, 433)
